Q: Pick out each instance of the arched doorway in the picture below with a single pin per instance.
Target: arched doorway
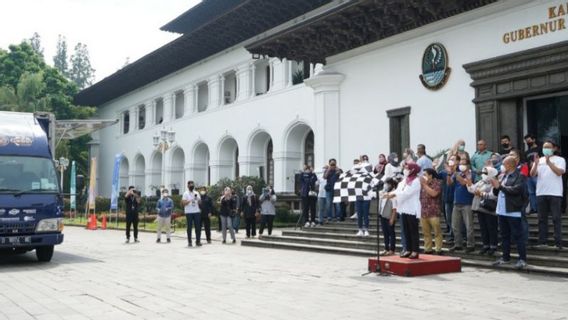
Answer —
(139, 173)
(228, 159)
(201, 171)
(123, 173)
(260, 157)
(177, 176)
(299, 150)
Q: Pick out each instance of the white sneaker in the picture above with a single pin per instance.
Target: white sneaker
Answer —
(313, 224)
(365, 233)
(354, 216)
(307, 225)
(360, 233)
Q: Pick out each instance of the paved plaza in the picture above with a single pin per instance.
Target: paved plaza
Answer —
(94, 275)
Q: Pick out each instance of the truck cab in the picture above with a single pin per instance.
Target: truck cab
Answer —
(31, 203)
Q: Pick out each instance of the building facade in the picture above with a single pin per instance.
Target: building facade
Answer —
(294, 92)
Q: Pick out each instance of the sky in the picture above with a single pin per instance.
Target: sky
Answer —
(113, 30)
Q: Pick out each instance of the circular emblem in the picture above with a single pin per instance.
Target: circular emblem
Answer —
(435, 70)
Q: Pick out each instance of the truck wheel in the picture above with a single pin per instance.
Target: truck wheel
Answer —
(44, 253)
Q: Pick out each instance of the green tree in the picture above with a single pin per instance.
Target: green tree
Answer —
(60, 59)
(27, 84)
(81, 71)
(35, 42)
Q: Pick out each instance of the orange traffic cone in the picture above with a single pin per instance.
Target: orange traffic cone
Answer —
(104, 222)
(92, 222)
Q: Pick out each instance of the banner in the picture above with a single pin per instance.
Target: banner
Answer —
(72, 187)
(92, 185)
(115, 181)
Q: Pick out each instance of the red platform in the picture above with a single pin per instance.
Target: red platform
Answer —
(425, 265)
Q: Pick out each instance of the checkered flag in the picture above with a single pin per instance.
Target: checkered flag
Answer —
(355, 184)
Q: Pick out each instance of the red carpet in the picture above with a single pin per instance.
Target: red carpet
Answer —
(425, 265)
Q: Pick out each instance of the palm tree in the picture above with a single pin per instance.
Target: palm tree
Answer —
(26, 97)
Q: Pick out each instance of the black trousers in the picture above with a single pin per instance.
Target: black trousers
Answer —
(411, 232)
(309, 209)
(488, 225)
(388, 234)
(251, 226)
(549, 205)
(266, 219)
(206, 223)
(132, 221)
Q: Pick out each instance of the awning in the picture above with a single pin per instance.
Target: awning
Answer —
(72, 129)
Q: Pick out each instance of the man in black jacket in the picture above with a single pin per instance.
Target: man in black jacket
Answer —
(207, 210)
(511, 199)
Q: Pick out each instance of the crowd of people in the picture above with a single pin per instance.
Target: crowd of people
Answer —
(198, 209)
(500, 188)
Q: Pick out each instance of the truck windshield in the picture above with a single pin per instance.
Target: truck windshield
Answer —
(27, 174)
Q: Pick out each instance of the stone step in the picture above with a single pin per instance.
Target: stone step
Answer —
(563, 272)
(372, 239)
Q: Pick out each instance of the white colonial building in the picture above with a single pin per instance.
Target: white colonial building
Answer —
(255, 87)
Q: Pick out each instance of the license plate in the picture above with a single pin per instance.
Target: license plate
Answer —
(16, 240)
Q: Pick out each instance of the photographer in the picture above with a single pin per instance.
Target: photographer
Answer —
(267, 209)
(309, 196)
(132, 202)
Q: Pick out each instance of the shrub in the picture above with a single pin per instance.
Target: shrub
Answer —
(239, 185)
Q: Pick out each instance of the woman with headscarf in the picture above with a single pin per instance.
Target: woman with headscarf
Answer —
(392, 168)
(379, 169)
(484, 205)
(249, 211)
(408, 205)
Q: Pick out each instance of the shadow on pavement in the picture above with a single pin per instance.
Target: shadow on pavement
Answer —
(10, 260)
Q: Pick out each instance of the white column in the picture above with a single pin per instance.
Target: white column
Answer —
(289, 65)
(271, 63)
(243, 82)
(278, 75)
(167, 107)
(149, 113)
(189, 100)
(213, 84)
(327, 131)
(253, 80)
(222, 85)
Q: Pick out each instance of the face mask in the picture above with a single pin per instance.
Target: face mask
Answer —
(451, 163)
(406, 172)
(505, 145)
(484, 177)
(387, 187)
(164, 195)
(395, 159)
(463, 167)
(249, 191)
(202, 193)
(502, 168)
(547, 152)
(191, 188)
(461, 148)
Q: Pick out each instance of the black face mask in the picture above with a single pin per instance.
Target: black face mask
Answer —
(191, 188)
(505, 145)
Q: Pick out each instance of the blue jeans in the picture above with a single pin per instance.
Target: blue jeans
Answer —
(330, 204)
(531, 186)
(322, 208)
(512, 227)
(193, 218)
(363, 213)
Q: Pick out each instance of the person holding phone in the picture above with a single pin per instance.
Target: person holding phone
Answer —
(132, 202)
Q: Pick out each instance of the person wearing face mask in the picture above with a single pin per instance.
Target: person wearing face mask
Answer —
(431, 211)
(308, 195)
(267, 210)
(331, 175)
(227, 210)
(484, 205)
(408, 205)
(236, 217)
(190, 201)
(207, 209)
(164, 207)
(379, 169)
(392, 168)
(480, 158)
(533, 151)
(387, 214)
(511, 194)
(462, 206)
(506, 146)
(549, 191)
(249, 210)
(424, 161)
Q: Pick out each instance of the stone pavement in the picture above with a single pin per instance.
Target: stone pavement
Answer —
(94, 275)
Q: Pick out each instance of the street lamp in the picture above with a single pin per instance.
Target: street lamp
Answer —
(62, 165)
(162, 142)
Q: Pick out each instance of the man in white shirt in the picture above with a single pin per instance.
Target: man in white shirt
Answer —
(190, 202)
(549, 189)
(423, 160)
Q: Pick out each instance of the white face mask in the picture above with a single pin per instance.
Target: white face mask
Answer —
(451, 163)
(502, 168)
(406, 172)
(484, 177)
(164, 195)
(249, 191)
(463, 167)
(202, 193)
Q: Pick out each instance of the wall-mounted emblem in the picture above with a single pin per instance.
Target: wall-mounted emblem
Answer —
(435, 69)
